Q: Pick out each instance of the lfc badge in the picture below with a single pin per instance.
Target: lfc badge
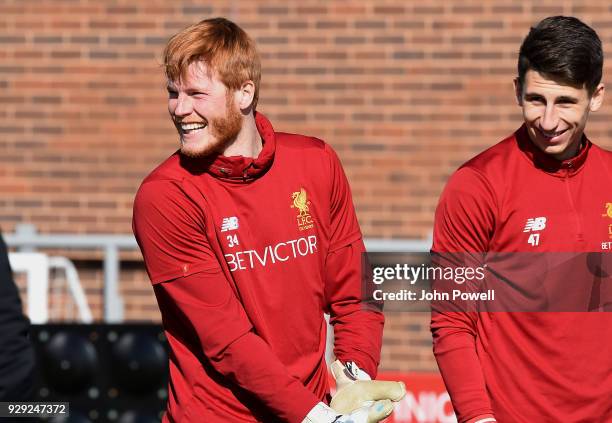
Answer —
(300, 202)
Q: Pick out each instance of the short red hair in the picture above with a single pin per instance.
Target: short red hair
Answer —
(225, 48)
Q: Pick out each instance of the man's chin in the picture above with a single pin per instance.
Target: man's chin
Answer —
(550, 147)
(195, 151)
(201, 150)
(560, 152)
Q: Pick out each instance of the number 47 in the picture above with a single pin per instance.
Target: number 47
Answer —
(534, 239)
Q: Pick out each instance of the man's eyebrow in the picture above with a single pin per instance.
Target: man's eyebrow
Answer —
(566, 99)
(560, 99)
(532, 96)
(190, 88)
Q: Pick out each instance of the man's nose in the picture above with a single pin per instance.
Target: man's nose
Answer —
(184, 105)
(550, 119)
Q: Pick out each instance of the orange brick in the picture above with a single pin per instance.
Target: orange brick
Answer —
(404, 91)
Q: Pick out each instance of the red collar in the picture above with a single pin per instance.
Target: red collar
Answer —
(239, 168)
(548, 163)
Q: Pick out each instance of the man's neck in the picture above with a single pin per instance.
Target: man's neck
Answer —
(248, 143)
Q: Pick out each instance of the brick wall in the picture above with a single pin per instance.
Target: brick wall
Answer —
(404, 90)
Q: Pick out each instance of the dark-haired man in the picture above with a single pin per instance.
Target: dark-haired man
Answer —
(249, 235)
(543, 189)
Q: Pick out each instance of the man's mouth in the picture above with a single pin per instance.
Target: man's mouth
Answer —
(551, 134)
(191, 127)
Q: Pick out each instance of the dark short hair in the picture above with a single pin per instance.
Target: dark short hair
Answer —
(565, 49)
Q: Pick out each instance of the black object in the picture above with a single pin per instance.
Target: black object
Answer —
(107, 372)
(16, 353)
(139, 362)
(69, 362)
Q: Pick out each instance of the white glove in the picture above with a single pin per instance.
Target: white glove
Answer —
(372, 413)
(354, 390)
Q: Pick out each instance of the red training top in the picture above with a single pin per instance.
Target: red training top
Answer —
(245, 256)
(529, 367)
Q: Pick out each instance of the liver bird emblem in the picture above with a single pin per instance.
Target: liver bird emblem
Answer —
(300, 202)
(608, 210)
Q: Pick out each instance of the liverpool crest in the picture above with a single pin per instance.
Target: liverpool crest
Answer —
(301, 203)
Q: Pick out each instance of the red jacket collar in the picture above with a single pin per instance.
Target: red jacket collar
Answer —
(548, 163)
(239, 168)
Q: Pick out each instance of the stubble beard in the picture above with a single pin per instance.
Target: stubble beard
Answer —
(224, 130)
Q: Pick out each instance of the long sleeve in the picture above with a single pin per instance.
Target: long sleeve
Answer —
(200, 305)
(464, 223)
(205, 304)
(358, 322)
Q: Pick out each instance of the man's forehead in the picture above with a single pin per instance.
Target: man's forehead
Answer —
(197, 75)
(537, 82)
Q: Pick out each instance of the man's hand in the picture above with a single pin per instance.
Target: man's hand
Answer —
(353, 394)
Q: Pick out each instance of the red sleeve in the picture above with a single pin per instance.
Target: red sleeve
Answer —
(195, 297)
(207, 307)
(170, 232)
(464, 222)
(358, 326)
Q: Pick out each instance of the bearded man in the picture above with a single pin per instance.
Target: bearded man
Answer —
(249, 236)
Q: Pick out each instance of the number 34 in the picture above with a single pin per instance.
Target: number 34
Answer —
(232, 240)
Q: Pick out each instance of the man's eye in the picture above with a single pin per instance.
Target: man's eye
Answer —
(172, 94)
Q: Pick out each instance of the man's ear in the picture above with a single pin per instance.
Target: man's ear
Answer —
(518, 91)
(245, 95)
(597, 98)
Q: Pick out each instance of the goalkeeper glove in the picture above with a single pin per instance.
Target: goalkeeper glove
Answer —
(373, 413)
(354, 389)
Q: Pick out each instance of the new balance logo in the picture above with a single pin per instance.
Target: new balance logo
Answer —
(535, 224)
(229, 224)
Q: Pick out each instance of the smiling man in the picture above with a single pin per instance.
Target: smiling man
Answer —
(249, 236)
(541, 191)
